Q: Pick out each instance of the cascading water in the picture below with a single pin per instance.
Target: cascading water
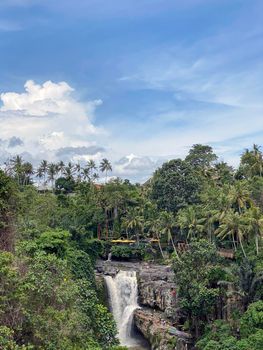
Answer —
(123, 293)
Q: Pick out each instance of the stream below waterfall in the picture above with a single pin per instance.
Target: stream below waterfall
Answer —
(123, 294)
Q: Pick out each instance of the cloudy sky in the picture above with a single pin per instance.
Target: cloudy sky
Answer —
(136, 81)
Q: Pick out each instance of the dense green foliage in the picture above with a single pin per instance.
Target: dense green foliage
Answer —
(199, 288)
(221, 336)
(201, 215)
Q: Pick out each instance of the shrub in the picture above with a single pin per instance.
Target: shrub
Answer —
(127, 252)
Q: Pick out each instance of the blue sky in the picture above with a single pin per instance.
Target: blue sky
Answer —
(137, 81)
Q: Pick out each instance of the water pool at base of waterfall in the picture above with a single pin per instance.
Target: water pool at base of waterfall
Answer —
(123, 294)
(140, 342)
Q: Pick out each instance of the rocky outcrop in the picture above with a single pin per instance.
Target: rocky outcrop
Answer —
(160, 332)
(156, 287)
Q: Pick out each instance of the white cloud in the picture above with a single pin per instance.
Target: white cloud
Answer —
(48, 117)
(139, 168)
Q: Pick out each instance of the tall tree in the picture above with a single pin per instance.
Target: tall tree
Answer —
(233, 226)
(154, 228)
(189, 222)
(175, 185)
(239, 196)
(16, 167)
(60, 167)
(252, 162)
(52, 171)
(105, 166)
(27, 171)
(91, 165)
(167, 224)
(44, 167)
(201, 156)
(135, 222)
(254, 220)
(39, 174)
(77, 169)
(69, 171)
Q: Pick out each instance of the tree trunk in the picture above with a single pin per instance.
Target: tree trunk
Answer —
(159, 244)
(241, 244)
(175, 250)
(256, 239)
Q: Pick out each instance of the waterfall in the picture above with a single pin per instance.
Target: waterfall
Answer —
(123, 293)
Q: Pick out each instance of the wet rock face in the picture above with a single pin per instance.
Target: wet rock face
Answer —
(159, 331)
(153, 328)
(157, 289)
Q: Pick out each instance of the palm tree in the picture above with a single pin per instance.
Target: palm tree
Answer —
(44, 167)
(209, 219)
(223, 205)
(167, 224)
(135, 222)
(252, 162)
(257, 166)
(254, 221)
(69, 171)
(52, 171)
(27, 171)
(105, 166)
(233, 225)
(39, 174)
(91, 165)
(239, 196)
(86, 173)
(16, 167)
(60, 167)
(187, 220)
(77, 168)
(154, 228)
(95, 176)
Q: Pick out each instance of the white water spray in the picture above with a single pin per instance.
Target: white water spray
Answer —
(123, 293)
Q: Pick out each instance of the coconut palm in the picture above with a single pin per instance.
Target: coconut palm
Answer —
(233, 226)
(254, 221)
(154, 229)
(86, 173)
(52, 171)
(105, 166)
(16, 167)
(223, 205)
(95, 176)
(135, 222)
(69, 171)
(257, 166)
(27, 171)
(167, 223)
(239, 196)
(91, 165)
(252, 162)
(44, 167)
(77, 169)
(60, 167)
(187, 220)
(210, 217)
(39, 174)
